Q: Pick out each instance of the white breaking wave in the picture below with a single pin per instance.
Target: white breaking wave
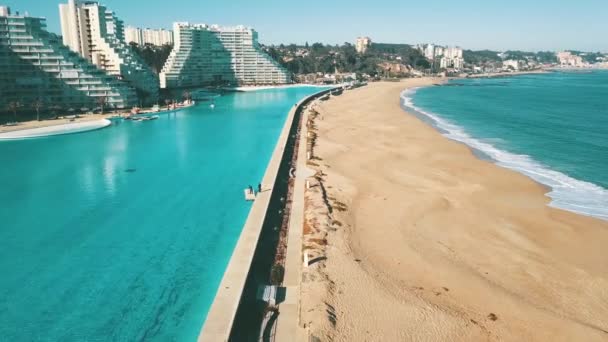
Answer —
(566, 192)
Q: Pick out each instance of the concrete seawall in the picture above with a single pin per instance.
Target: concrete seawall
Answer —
(250, 256)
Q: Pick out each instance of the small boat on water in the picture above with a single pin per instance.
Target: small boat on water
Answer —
(149, 118)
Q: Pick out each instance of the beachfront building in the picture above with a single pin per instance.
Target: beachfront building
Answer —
(450, 57)
(157, 37)
(95, 33)
(452, 52)
(363, 44)
(212, 55)
(451, 63)
(36, 68)
(511, 64)
(568, 59)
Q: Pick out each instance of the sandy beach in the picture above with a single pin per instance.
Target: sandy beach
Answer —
(415, 239)
(49, 123)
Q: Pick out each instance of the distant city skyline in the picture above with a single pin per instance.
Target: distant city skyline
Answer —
(472, 24)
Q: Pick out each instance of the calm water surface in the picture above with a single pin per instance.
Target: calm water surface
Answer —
(123, 234)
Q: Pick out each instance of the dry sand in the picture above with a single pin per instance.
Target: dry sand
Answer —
(425, 242)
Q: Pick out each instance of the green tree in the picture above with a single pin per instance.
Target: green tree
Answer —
(14, 106)
(101, 102)
(38, 104)
(187, 96)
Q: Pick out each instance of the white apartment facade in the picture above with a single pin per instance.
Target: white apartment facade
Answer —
(95, 33)
(439, 51)
(36, 66)
(451, 58)
(511, 64)
(157, 37)
(429, 51)
(134, 35)
(363, 44)
(566, 58)
(453, 52)
(212, 55)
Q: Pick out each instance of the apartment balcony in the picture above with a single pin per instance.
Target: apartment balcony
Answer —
(48, 64)
(26, 44)
(84, 82)
(42, 50)
(102, 88)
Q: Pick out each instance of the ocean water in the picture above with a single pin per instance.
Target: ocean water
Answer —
(123, 234)
(550, 127)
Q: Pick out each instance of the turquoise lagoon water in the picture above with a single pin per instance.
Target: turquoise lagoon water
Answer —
(123, 234)
(551, 127)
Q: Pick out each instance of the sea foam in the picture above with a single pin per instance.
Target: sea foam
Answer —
(566, 192)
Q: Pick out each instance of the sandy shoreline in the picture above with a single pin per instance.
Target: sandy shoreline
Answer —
(425, 242)
(508, 74)
(50, 123)
(82, 118)
(283, 86)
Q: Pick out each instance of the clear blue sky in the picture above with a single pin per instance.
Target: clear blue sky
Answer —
(475, 24)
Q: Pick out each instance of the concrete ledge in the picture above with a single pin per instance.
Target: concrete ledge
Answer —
(220, 319)
(288, 327)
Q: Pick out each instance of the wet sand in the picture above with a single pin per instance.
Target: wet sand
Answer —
(425, 242)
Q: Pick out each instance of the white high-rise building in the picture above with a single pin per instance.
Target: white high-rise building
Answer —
(429, 51)
(157, 37)
(453, 52)
(35, 67)
(98, 35)
(439, 51)
(451, 57)
(363, 44)
(205, 55)
(134, 35)
(451, 63)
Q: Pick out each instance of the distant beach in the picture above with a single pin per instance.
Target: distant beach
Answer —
(421, 240)
(507, 74)
(65, 128)
(33, 124)
(257, 88)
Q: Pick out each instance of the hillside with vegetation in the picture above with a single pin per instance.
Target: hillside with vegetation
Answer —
(153, 56)
(320, 58)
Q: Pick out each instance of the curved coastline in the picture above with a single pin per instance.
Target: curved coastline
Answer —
(565, 192)
(68, 128)
(434, 243)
